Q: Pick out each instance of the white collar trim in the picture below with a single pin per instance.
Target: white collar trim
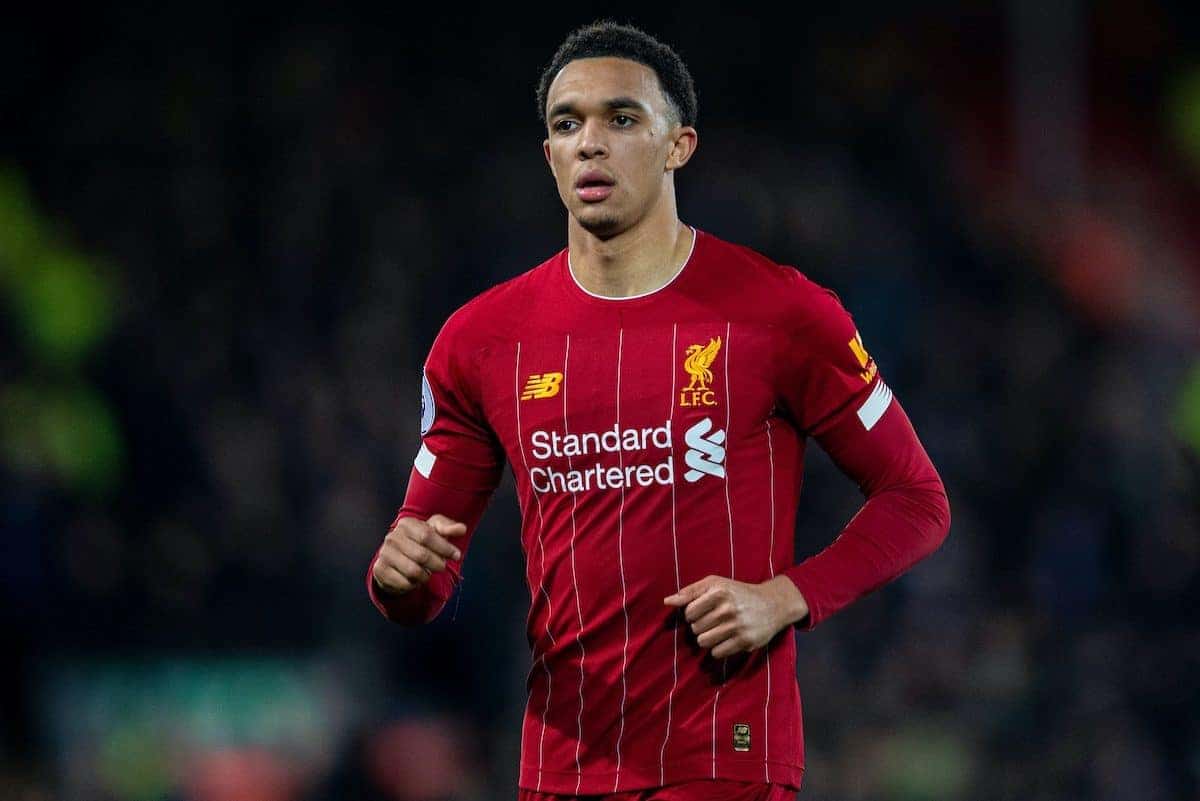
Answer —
(571, 272)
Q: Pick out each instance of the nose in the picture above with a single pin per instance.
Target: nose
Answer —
(592, 143)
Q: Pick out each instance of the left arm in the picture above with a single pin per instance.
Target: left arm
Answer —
(905, 518)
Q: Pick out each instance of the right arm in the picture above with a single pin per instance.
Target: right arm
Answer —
(419, 564)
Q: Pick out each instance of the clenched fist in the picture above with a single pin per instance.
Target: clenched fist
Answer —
(730, 616)
(413, 551)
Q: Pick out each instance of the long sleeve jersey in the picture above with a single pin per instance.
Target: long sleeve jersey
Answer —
(656, 440)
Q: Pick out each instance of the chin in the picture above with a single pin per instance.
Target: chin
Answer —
(599, 222)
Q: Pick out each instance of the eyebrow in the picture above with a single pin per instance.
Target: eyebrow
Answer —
(611, 105)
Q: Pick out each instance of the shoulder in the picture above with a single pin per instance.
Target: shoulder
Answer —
(778, 294)
(495, 313)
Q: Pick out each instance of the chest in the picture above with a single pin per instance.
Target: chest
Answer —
(618, 394)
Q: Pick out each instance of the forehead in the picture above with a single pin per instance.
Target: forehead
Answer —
(595, 80)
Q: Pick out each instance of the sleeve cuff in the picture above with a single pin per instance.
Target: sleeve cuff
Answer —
(413, 608)
(804, 584)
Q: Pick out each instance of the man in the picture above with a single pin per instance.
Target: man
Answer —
(653, 387)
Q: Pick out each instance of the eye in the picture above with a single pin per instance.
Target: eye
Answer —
(623, 120)
(563, 126)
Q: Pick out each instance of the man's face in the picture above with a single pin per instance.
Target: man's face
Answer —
(612, 142)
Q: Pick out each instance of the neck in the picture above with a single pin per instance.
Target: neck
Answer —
(634, 262)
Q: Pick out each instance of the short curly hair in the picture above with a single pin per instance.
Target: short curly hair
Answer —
(607, 38)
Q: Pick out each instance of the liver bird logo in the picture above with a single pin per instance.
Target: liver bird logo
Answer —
(699, 359)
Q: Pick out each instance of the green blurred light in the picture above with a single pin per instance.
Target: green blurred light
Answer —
(64, 306)
(1183, 114)
(135, 765)
(1187, 413)
(926, 764)
(61, 300)
(200, 704)
(61, 305)
(69, 433)
(20, 231)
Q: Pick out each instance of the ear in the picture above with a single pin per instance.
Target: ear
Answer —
(546, 152)
(682, 148)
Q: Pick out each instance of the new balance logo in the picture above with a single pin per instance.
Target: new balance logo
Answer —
(542, 385)
(706, 454)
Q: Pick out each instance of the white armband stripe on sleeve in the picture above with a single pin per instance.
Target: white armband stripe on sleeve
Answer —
(875, 405)
(425, 460)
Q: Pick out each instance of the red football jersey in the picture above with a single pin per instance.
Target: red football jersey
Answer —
(656, 440)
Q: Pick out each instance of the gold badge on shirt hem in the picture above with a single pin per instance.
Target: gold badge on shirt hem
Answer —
(741, 737)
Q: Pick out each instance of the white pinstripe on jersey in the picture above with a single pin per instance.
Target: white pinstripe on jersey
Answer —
(675, 550)
(574, 579)
(621, 562)
(541, 545)
(729, 513)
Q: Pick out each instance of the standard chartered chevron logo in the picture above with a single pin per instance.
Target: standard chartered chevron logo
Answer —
(706, 453)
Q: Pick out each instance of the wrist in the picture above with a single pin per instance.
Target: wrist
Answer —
(790, 602)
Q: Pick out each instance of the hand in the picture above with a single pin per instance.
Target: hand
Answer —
(732, 616)
(413, 551)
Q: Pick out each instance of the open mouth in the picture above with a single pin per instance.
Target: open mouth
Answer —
(593, 186)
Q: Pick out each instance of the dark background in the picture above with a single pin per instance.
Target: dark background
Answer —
(229, 234)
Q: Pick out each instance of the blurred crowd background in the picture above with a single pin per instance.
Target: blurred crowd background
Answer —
(228, 235)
